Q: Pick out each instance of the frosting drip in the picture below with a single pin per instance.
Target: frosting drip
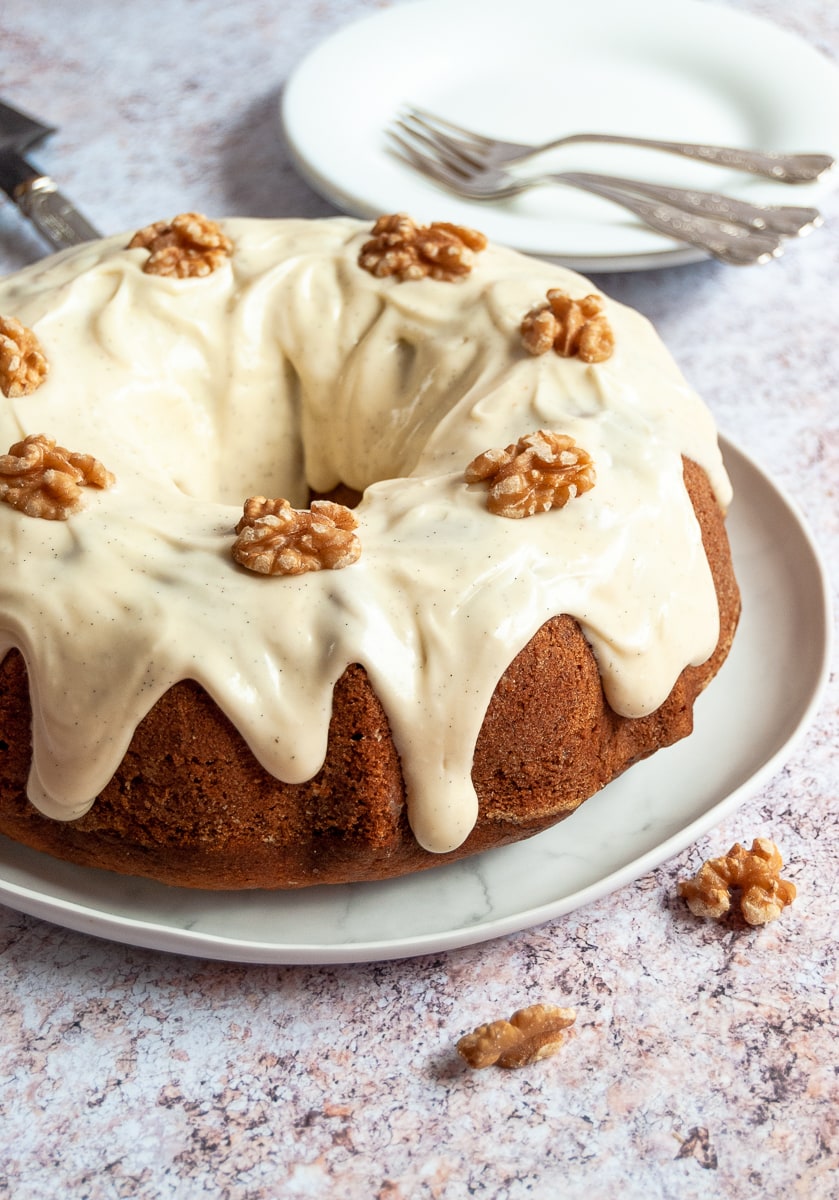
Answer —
(290, 368)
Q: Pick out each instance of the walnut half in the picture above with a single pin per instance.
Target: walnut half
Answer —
(540, 471)
(190, 244)
(756, 873)
(570, 327)
(23, 365)
(44, 480)
(276, 539)
(401, 247)
(530, 1034)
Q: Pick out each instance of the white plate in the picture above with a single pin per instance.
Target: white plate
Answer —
(746, 724)
(673, 69)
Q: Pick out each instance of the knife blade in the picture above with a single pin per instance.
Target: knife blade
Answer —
(35, 193)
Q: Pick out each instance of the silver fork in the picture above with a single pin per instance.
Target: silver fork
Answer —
(789, 220)
(487, 152)
(730, 241)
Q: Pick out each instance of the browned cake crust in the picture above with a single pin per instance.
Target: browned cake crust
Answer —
(191, 806)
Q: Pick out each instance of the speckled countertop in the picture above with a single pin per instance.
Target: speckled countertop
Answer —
(703, 1060)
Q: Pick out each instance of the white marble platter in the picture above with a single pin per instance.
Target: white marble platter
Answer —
(747, 723)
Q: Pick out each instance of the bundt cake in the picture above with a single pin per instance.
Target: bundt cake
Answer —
(333, 553)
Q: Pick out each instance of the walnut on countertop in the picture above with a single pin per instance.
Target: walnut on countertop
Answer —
(570, 327)
(188, 245)
(756, 873)
(542, 470)
(41, 479)
(402, 248)
(530, 1034)
(23, 364)
(276, 539)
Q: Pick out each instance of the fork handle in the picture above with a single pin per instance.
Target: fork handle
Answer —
(726, 241)
(783, 168)
(789, 220)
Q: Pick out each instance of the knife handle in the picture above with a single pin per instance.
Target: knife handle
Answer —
(52, 213)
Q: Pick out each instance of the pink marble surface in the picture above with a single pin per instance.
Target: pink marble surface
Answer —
(703, 1061)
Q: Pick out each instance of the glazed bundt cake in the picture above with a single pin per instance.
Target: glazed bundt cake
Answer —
(333, 553)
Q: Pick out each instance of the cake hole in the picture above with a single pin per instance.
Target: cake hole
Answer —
(249, 445)
(342, 494)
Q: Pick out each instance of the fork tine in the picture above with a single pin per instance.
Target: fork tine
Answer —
(441, 151)
(455, 149)
(444, 126)
(449, 176)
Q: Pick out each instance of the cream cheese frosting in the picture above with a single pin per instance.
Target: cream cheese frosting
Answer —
(291, 368)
